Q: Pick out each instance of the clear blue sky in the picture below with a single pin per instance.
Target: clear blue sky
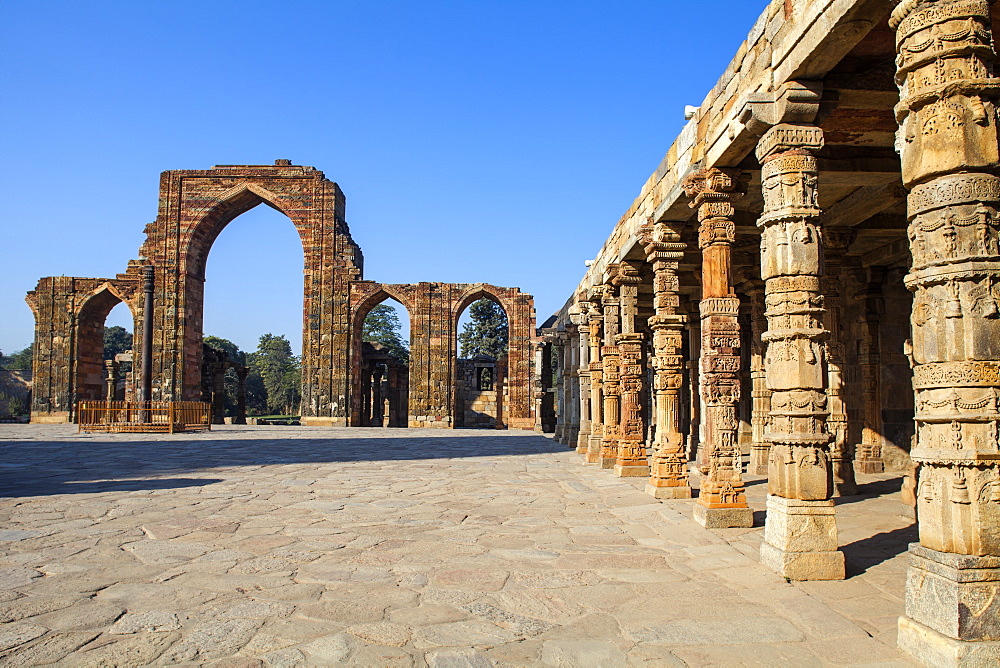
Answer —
(475, 141)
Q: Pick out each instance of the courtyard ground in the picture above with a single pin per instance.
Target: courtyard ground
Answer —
(285, 546)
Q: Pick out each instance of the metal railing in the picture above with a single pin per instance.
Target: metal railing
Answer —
(144, 416)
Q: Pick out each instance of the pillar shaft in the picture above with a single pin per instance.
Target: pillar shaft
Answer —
(631, 460)
(836, 243)
(609, 378)
(583, 333)
(870, 360)
(950, 156)
(722, 499)
(760, 396)
(800, 534)
(593, 455)
(668, 477)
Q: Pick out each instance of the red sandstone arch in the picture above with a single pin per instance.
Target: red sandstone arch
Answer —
(366, 295)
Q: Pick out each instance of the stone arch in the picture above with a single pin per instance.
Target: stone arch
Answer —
(195, 206)
(365, 296)
(519, 308)
(88, 340)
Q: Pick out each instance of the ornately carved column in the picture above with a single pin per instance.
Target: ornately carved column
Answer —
(800, 534)
(631, 460)
(870, 360)
(562, 418)
(722, 500)
(583, 332)
(760, 395)
(950, 156)
(596, 374)
(668, 477)
(609, 377)
(836, 243)
(573, 378)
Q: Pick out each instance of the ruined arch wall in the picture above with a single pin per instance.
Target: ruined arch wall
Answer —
(68, 349)
(195, 205)
(434, 309)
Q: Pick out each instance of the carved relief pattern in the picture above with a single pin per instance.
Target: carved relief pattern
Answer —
(841, 453)
(761, 395)
(669, 459)
(949, 150)
(631, 369)
(712, 192)
(610, 379)
(791, 263)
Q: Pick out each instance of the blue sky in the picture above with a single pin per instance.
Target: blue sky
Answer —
(475, 141)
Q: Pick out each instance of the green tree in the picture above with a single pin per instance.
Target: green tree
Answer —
(382, 325)
(19, 360)
(486, 333)
(117, 340)
(232, 380)
(279, 370)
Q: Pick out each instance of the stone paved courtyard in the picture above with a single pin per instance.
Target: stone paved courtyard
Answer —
(251, 546)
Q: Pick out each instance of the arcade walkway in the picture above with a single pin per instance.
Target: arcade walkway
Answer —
(259, 546)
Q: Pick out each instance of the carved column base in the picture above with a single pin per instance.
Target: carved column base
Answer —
(582, 442)
(593, 454)
(723, 518)
(952, 610)
(609, 453)
(660, 490)
(571, 435)
(758, 458)
(557, 435)
(800, 540)
(668, 476)
(843, 477)
(869, 466)
(632, 470)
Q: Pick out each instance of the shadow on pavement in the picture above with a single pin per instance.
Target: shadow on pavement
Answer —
(93, 464)
(867, 552)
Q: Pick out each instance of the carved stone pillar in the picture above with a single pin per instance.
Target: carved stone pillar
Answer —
(800, 535)
(722, 500)
(760, 395)
(631, 460)
(836, 243)
(668, 477)
(377, 407)
(950, 156)
(609, 377)
(870, 360)
(694, 382)
(596, 374)
(573, 381)
(583, 332)
(561, 418)
(111, 379)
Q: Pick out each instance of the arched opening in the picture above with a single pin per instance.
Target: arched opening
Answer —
(381, 363)
(482, 335)
(104, 341)
(250, 333)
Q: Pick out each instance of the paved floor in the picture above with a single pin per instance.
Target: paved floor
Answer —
(285, 546)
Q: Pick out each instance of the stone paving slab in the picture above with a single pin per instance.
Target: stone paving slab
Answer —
(298, 546)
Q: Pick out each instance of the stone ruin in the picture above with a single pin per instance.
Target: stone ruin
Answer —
(194, 207)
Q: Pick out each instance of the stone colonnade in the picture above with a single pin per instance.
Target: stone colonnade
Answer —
(808, 345)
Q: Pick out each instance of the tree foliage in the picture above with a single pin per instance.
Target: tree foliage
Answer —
(256, 394)
(117, 340)
(280, 372)
(19, 360)
(382, 325)
(486, 333)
